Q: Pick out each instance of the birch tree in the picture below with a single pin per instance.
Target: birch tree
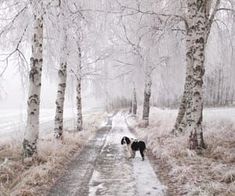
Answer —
(147, 94)
(36, 62)
(62, 73)
(196, 54)
(134, 102)
(209, 14)
(140, 53)
(130, 107)
(79, 89)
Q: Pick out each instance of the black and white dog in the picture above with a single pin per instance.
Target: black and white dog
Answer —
(134, 145)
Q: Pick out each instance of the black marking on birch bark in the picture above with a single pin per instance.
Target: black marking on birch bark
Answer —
(29, 148)
(57, 119)
(33, 99)
(63, 85)
(35, 37)
(200, 41)
(33, 72)
(61, 73)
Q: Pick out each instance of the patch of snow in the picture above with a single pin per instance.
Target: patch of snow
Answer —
(146, 179)
(95, 184)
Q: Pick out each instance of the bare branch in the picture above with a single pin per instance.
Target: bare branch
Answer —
(11, 23)
(226, 9)
(17, 49)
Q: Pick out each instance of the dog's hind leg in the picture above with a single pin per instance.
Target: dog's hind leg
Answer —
(142, 154)
(142, 148)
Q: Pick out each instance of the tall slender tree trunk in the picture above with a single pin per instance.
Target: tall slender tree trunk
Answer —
(186, 102)
(180, 123)
(130, 108)
(79, 90)
(197, 10)
(147, 94)
(134, 102)
(62, 76)
(36, 62)
(233, 56)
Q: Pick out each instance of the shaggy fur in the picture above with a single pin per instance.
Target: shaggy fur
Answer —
(134, 145)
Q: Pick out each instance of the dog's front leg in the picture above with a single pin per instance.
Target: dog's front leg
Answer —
(132, 154)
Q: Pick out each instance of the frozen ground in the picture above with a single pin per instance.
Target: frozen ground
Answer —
(102, 168)
(12, 122)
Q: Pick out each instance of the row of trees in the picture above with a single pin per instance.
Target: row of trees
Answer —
(218, 88)
(194, 19)
(48, 33)
(36, 66)
(136, 50)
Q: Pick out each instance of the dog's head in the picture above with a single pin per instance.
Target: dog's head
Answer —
(125, 140)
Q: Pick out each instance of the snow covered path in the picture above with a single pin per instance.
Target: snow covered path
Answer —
(102, 168)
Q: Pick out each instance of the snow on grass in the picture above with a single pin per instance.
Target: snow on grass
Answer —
(34, 176)
(212, 172)
(13, 122)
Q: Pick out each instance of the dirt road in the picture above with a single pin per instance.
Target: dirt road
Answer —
(102, 168)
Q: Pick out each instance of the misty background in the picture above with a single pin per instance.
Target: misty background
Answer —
(111, 65)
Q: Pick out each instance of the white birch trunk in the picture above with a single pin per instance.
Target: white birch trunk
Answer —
(233, 56)
(181, 120)
(194, 116)
(79, 90)
(180, 123)
(147, 94)
(130, 109)
(186, 101)
(62, 76)
(36, 62)
(134, 102)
